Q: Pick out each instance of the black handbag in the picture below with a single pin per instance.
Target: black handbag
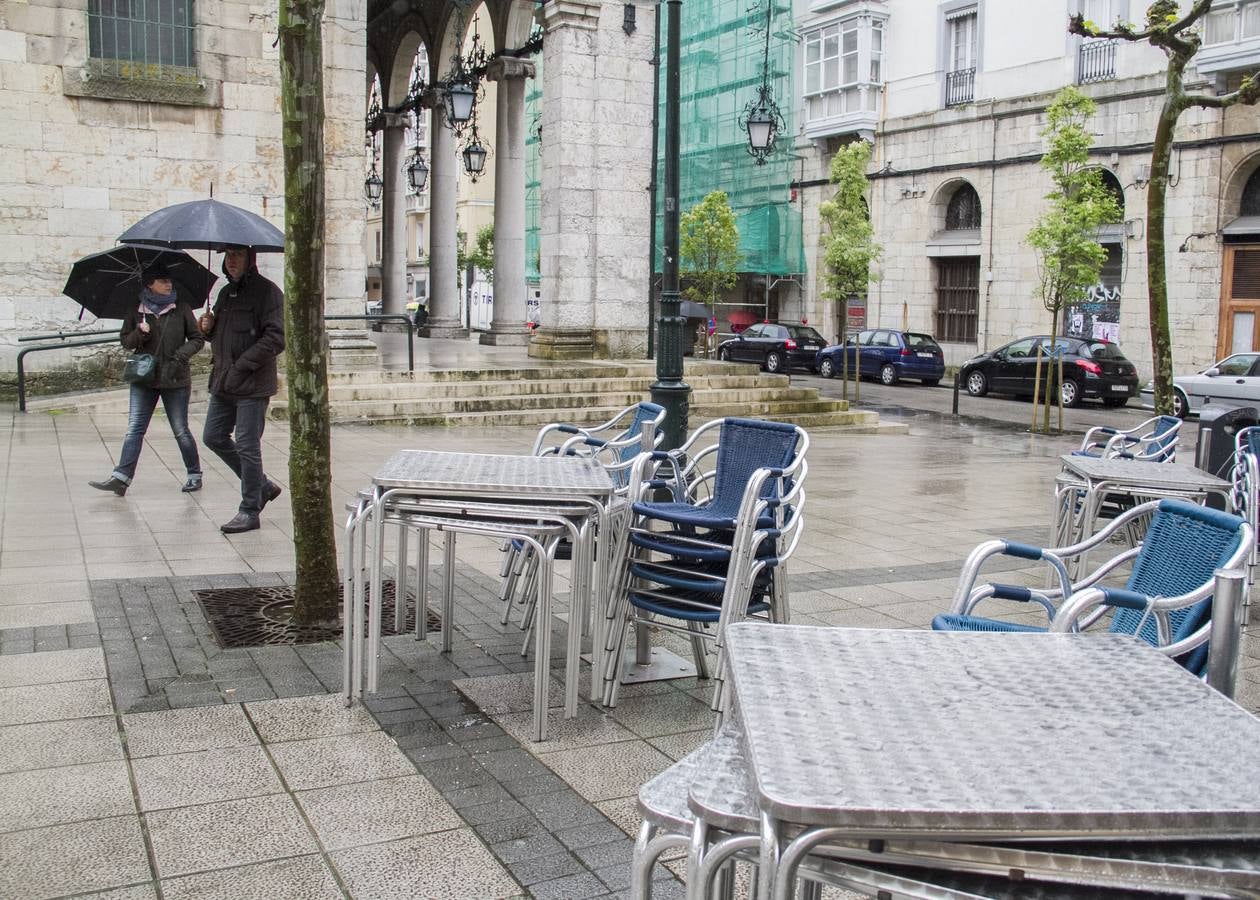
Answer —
(140, 368)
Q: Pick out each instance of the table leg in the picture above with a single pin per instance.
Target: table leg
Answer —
(542, 644)
(768, 856)
(347, 603)
(377, 592)
(359, 605)
(422, 584)
(448, 591)
(400, 581)
(578, 603)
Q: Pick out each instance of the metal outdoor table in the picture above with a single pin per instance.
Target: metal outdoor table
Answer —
(503, 496)
(956, 736)
(1139, 480)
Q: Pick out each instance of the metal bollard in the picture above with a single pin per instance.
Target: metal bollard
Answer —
(957, 384)
(1226, 631)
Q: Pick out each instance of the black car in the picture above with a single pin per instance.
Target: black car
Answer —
(1091, 368)
(775, 346)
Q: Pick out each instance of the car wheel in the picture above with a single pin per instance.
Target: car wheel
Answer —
(724, 354)
(977, 384)
(1071, 391)
(827, 369)
(1181, 406)
(774, 362)
(888, 374)
(931, 382)
(1115, 402)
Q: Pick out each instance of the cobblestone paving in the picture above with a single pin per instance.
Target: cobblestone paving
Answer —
(137, 756)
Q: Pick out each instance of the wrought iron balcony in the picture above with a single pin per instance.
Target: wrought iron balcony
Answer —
(1095, 61)
(960, 86)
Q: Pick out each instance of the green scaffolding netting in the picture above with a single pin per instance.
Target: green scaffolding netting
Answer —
(722, 48)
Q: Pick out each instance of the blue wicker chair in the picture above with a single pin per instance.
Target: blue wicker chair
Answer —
(615, 444)
(715, 551)
(1154, 440)
(1166, 601)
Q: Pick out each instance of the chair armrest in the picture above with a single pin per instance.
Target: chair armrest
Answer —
(971, 569)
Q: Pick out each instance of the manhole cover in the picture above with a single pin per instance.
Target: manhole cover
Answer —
(258, 616)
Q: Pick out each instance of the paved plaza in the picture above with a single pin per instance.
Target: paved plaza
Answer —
(136, 756)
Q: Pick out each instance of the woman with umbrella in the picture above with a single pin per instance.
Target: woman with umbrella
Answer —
(162, 325)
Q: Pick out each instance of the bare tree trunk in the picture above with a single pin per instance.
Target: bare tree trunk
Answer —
(310, 476)
(1156, 264)
(844, 349)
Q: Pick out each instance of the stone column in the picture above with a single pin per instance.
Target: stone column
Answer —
(568, 239)
(393, 216)
(445, 302)
(508, 324)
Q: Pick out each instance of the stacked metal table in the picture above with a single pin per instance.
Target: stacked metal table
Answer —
(1094, 479)
(533, 499)
(1090, 761)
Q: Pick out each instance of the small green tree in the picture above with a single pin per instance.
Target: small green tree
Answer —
(1179, 36)
(1065, 237)
(709, 249)
(848, 240)
(482, 255)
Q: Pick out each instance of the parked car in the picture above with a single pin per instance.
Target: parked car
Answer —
(775, 346)
(887, 355)
(1234, 381)
(1091, 368)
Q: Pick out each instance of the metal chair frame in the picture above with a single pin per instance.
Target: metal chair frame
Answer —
(1075, 606)
(765, 514)
(1154, 440)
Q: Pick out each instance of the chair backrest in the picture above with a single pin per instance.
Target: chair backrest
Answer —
(1246, 491)
(1164, 436)
(643, 413)
(744, 446)
(1183, 547)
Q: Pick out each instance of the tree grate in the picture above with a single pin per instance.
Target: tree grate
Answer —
(263, 616)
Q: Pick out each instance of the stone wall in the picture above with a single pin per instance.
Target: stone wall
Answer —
(996, 147)
(84, 156)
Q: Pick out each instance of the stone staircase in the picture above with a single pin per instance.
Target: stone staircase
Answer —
(583, 392)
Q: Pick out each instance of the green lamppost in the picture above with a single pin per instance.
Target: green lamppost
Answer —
(669, 390)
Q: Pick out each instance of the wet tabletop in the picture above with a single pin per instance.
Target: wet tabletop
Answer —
(494, 474)
(955, 733)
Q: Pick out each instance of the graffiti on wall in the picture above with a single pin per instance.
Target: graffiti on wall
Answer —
(1098, 317)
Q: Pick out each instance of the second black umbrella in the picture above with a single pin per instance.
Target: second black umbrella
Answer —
(108, 284)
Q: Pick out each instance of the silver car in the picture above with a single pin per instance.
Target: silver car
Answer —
(1233, 382)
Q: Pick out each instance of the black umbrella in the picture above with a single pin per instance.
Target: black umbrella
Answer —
(206, 225)
(108, 284)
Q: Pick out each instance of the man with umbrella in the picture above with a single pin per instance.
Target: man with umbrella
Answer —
(246, 335)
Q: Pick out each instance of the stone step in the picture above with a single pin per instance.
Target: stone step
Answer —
(638, 387)
(860, 422)
(726, 403)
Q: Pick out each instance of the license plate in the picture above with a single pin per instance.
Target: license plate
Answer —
(927, 355)
(810, 346)
(1120, 387)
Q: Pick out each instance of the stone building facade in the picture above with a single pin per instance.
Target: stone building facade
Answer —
(97, 135)
(954, 99)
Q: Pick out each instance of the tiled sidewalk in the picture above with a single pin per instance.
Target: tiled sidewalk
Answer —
(136, 755)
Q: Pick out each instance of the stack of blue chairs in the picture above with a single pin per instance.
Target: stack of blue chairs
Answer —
(714, 550)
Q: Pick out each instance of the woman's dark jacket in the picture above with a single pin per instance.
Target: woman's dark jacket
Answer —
(173, 339)
(248, 336)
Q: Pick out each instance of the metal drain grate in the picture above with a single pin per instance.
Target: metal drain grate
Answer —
(261, 616)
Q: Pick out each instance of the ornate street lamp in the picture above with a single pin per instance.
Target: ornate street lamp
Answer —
(761, 117)
(475, 153)
(461, 88)
(416, 170)
(373, 187)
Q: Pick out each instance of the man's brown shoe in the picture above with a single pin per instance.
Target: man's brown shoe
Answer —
(241, 522)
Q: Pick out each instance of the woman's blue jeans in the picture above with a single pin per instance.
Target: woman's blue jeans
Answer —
(144, 400)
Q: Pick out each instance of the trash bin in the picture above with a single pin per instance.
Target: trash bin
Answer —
(1214, 453)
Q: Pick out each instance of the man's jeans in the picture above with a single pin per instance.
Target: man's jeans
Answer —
(143, 401)
(244, 453)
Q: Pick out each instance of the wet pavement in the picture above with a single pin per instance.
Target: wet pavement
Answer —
(135, 755)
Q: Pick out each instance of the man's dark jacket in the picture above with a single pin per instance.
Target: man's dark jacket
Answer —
(248, 336)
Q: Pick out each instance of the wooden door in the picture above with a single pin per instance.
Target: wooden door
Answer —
(1239, 330)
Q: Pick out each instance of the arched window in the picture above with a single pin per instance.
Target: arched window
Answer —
(1250, 205)
(963, 211)
(1112, 184)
